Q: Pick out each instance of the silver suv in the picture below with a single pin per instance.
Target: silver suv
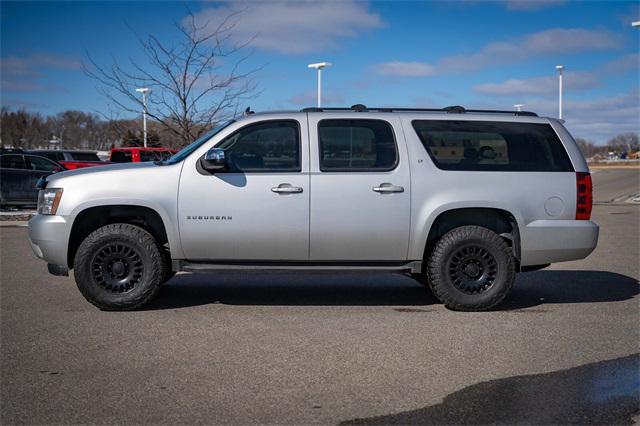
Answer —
(462, 199)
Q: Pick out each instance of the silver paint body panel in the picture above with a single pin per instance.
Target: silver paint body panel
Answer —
(337, 217)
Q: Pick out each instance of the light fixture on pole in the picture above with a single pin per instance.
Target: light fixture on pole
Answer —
(635, 24)
(560, 68)
(518, 107)
(319, 66)
(144, 91)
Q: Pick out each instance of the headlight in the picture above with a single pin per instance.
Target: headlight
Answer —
(48, 200)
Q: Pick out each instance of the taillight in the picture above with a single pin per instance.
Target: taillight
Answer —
(584, 196)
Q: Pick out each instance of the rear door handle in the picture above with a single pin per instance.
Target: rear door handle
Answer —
(286, 188)
(387, 188)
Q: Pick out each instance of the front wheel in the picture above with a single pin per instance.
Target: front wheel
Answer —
(471, 268)
(119, 267)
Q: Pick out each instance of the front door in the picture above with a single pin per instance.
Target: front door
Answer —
(258, 209)
(360, 205)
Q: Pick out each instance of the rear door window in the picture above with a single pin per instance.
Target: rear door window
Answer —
(493, 146)
(41, 164)
(356, 145)
(12, 161)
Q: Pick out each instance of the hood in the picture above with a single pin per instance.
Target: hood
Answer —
(96, 171)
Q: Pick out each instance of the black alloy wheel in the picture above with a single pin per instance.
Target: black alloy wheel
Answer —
(117, 267)
(472, 269)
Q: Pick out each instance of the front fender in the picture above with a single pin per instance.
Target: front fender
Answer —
(169, 224)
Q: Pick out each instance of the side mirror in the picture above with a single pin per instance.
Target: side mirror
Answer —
(214, 160)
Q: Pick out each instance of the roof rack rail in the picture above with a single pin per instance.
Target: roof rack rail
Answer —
(454, 109)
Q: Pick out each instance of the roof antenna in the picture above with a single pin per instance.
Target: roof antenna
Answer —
(248, 111)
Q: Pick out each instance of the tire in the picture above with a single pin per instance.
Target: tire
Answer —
(471, 268)
(119, 267)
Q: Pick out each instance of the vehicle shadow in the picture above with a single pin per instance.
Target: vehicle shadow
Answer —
(285, 288)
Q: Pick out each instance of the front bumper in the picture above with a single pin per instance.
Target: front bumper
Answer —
(49, 238)
(550, 241)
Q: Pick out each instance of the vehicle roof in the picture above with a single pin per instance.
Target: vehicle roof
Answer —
(84, 151)
(447, 113)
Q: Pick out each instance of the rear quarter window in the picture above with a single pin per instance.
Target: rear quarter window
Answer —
(120, 157)
(493, 146)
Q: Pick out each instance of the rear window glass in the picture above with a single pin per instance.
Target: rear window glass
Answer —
(493, 146)
(84, 156)
(55, 156)
(356, 145)
(120, 157)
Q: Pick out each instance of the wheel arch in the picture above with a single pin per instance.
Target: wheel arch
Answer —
(499, 220)
(91, 218)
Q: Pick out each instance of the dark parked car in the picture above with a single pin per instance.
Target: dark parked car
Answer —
(19, 173)
(70, 159)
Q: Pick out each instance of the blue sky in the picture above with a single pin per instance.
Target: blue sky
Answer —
(473, 53)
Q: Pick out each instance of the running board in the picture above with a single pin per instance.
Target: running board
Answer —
(414, 267)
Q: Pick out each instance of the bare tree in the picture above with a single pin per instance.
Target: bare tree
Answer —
(22, 129)
(589, 148)
(195, 83)
(624, 142)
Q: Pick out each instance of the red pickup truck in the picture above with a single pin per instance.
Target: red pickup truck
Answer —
(70, 159)
(138, 154)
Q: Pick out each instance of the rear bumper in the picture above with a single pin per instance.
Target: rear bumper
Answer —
(550, 241)
(48, 237)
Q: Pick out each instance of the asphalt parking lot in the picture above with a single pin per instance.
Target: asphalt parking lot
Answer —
(249, 347)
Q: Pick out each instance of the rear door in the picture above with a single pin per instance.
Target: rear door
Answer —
(360, 200)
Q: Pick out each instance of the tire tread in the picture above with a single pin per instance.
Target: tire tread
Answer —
(146, 242)
(437, 282)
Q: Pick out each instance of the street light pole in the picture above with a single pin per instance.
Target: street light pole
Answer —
(560, 68)
(319, 66)
(144, 91)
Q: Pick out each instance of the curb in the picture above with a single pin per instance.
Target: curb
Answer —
(13, 224)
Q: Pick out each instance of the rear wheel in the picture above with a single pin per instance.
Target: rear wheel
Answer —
(119, 267)
(471, 268)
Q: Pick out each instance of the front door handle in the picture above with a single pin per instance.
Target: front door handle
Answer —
(387, 188)
(286, 188)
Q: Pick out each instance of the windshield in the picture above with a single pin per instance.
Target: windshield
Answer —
(187, 150)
